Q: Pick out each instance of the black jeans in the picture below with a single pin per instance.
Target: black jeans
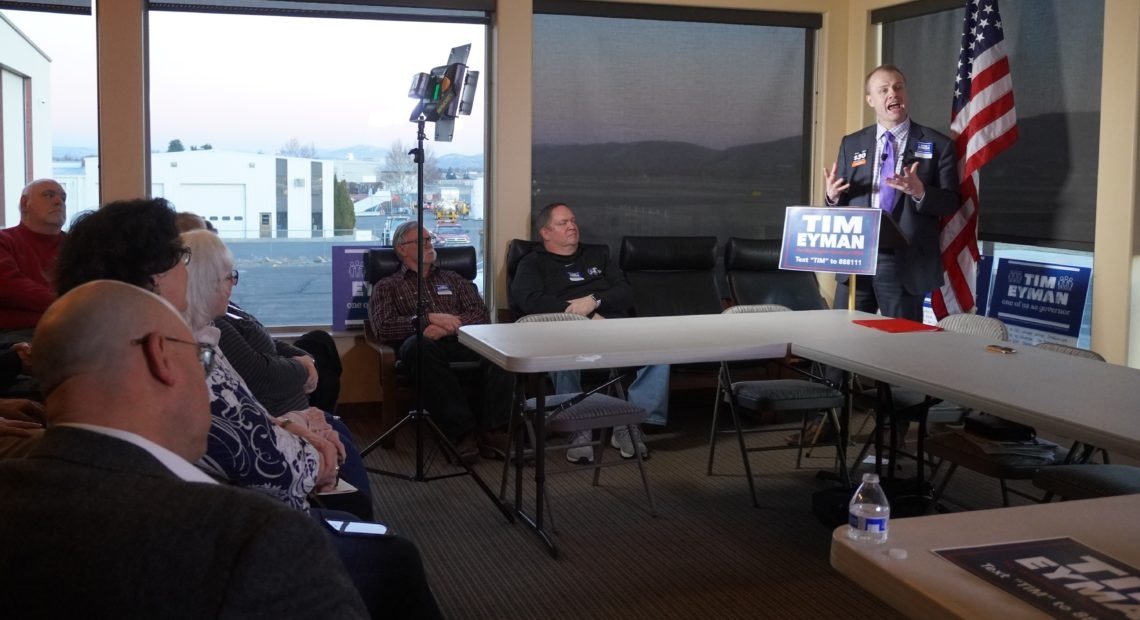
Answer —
(444, 397)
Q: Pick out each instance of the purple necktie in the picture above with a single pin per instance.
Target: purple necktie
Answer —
(886, 192)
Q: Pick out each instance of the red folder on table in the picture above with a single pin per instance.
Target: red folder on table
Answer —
(897, 326)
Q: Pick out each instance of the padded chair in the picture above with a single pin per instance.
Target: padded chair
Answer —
(752, 267)
(571, 413)
(395, 376)
(671, 276)
(955, 447)
(774, 396)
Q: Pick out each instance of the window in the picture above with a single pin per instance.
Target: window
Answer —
(1042, 191)
(281, 103)
(48, 125)
(1037, 199)
(669, 121)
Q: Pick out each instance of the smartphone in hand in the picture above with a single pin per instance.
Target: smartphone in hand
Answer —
(356, 528)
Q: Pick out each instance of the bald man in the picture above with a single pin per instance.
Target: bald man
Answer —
(27, 254)
(108, 518)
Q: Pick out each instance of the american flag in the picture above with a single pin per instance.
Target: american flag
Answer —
(983, 124)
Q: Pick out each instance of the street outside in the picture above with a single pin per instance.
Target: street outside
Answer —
(289, 281)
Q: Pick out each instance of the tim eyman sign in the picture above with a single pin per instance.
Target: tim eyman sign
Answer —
(836, 239)
(1040, 301)
(349, 299)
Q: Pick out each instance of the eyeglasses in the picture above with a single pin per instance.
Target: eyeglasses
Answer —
(184, 254)
(432, 239)
(206, 353)
(233, 277)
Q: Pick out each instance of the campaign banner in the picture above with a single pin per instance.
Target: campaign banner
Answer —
(982, 289)
(1039, 302)
(835, 239)
(1059, 576)
(349, 298)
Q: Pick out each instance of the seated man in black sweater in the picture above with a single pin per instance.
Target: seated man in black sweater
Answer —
(564, 276)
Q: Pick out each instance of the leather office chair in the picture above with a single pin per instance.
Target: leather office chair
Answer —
(752, 267)
(395, 377)
(774, 396)
(567, 414)
(671, 276)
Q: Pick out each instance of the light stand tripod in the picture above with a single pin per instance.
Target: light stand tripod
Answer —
(420, 418)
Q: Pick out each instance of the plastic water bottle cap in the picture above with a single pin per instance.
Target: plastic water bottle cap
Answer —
(872, 478)
(897, 553)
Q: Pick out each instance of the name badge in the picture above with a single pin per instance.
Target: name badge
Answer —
(575, 276)
(442, 289)
(924, 150)
(858, 159)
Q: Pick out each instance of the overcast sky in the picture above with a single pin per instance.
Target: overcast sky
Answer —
(254, 82)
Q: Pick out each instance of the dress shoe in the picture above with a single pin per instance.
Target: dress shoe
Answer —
(468, 450)
(493, 444)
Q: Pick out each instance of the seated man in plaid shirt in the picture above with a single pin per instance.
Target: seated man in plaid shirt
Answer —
(452, 301)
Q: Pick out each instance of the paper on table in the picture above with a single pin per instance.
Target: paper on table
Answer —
(897, 326)
(342, 486)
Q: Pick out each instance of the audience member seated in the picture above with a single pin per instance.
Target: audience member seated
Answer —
(452, 302)
(27, 253)
(109, 519)
(282, 376)
(15, 377)
(565, 276)
(20, 426)
(137, 242)
(211, 281)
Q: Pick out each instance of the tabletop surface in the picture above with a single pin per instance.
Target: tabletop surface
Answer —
(569, 345)
(924, 585)
(1070, 396)
(1062, 394)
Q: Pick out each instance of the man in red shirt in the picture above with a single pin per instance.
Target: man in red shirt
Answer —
(27, 256)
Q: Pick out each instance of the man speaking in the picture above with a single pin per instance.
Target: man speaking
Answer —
(908, 171)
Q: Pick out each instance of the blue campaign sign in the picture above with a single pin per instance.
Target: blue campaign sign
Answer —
(982, 290)
(1039, 297)
(835, 239)
(349, 300)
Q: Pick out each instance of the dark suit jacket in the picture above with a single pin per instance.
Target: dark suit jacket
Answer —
(920, 265)
(94, 527)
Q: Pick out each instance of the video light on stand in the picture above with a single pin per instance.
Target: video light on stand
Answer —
(445, 93)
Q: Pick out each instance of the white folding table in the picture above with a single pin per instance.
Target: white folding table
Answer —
(1093, 402)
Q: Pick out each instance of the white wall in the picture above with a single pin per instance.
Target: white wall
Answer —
(22, 62)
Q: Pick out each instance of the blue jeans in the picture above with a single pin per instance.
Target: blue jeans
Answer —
(649, 390)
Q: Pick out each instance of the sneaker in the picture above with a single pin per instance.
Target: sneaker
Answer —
(581, 452)
(623, 442)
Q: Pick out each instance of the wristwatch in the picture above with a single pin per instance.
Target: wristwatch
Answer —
(597, 302)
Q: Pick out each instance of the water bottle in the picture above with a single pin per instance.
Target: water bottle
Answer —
(869, 512)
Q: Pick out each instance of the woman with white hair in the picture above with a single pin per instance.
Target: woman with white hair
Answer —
(287, 457)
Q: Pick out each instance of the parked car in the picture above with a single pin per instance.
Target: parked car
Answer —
(448, 233)
(390, 226)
